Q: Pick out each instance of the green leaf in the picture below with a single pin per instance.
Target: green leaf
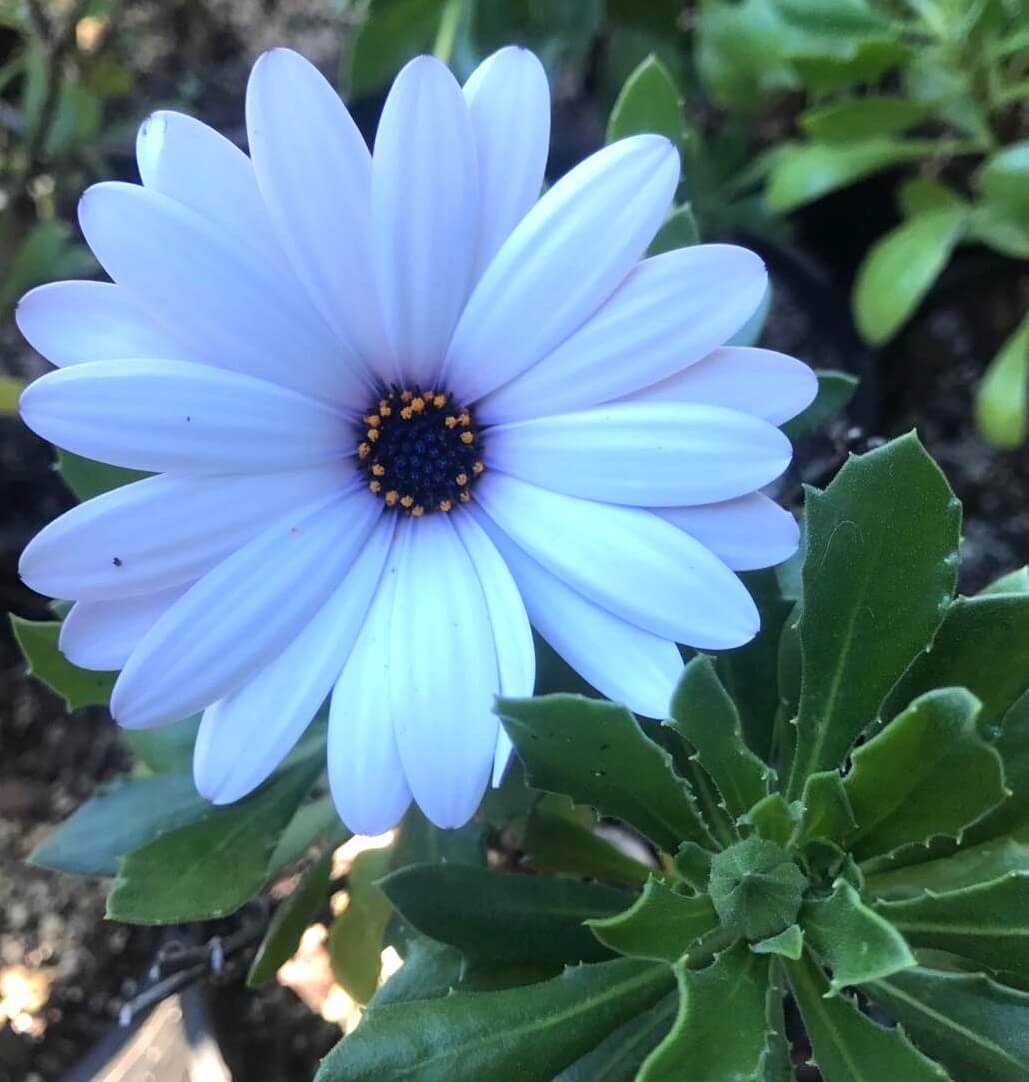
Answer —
(881, 564)
(719, 1032)
(920, 195)
(48, 251)
(679, 230)
(789, 943)
(558, 845)
(835, 390)
(620, 1055)
(10, 391)
(972, 1024)
(291, 918)
(119, 821)
(466, 1037)
(596, 753)
(77, 687)
(861, 118)
(927, 774)
(393, 32)
(430, 971)
(1013, 748)
(848, 1046)
(355, 936)
(988, 923)
(661, 924)
(1000, 229)
(982, 645)
(419, 842)
(168, 749)
(1004, 177)
(804, 172)
(705, 716)
(502, 917)
(1014, 582)
(693, 863)
(864, 61)
(827, 810)
(649, 102)
(316, 820)
(854, 942)
(1002, 400)
(773, 818)
(900, 268)
(211, 867)
(756, 888)
(87, 478)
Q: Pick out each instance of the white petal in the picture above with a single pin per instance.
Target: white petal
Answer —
(246, 735)
(193, 164)
(509, 100)
(101, 634)
(72, 322)
(628, 561)
(191, 275)
(563, 260)
(746, 533)
(243, 614)
(671, 311)
(443, 673)
(165, 531)
(643, 454)
(175, 415)
(620, 660)
(512, 635)
(366, 775)
(314, 172)
(425, 210)
(760, 382)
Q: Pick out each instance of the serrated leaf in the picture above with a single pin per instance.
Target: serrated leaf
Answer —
(827, 810)
(773, 818)
(1002, 400)
(881, 565)
(982, 645)
(679, 230)
(970, 1023)
(1013, 747)
(77, 687)
(756, 888)
(853, 941)
(596, 753)
(87, 478)
(987, 923)
(848, 1046)
(693, 863)
(558, 845)
(430, 971)
(719, 1032)
(861, 118)
(119, 821)
(497, 917)
(466, 1037)
(619, 1056)
(648, 102)
(835, 390)
(776, 1063)
(661, 924)
(211, 867)
(927, 774)
(355, 936)
(291, 918)
(789, 943)
(705, 716)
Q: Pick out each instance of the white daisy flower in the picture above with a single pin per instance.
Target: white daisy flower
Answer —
(399, 410)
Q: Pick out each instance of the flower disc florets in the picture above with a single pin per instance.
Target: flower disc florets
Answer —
(419, 450)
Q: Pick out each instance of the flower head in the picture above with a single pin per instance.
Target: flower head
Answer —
(399, 410)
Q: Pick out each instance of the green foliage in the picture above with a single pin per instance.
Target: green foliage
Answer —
(649, 102)
(756, 888)
(355, 936)
(78, 687)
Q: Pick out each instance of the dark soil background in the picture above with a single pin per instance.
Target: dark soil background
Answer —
(49, 762)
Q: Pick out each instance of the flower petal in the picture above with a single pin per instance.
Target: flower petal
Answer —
(164, 531)
(73, 322)
(563, 260)
(190, 275)
(184, 159)
(643, 454)
(443, 673)
(620, 660)
(243, 614)
(512, 635)
(509, 100)
(175, 415)
(101, 634)
(425, 211)
(314, 172)
(366, 775)
(671, 311)
(246, 735)
(760, 382)
(628, 561)
(746, 533)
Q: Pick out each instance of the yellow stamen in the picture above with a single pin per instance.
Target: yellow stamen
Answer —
(406, 396)
(407, 413)
(451, 422)
(363, 450)
(465, 496)
(372, 434)
(418, 404)
(467, 437)
(439, 401)
(380, 470)
(445, 505)
(373, 419)
(406, 501)
(462, 479)
(477, 468)
(465, 418)
(375, 486)
(417, 511)
(391, 497)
